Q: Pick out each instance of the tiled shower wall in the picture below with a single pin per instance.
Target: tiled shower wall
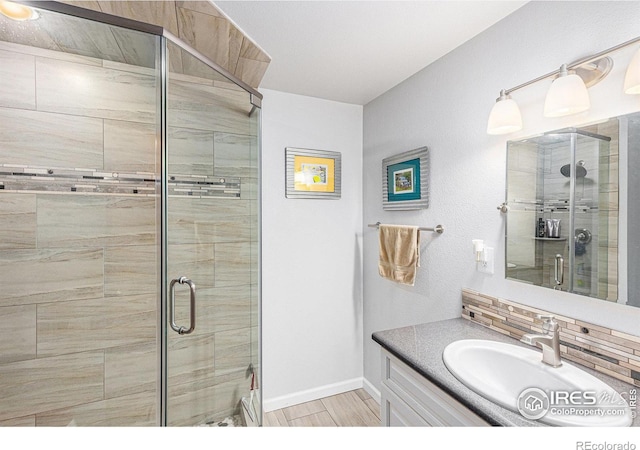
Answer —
(79, 259)
(78, 269)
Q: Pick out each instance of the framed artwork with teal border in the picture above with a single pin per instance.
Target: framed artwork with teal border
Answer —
(405, 180)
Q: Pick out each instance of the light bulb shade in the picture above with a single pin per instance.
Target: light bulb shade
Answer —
(504, 117)
(17, 11)
(567, 95)
(632, 77)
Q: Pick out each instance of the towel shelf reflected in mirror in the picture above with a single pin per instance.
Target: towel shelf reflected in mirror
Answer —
(565, 185)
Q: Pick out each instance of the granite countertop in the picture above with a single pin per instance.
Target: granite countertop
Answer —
(421, 347)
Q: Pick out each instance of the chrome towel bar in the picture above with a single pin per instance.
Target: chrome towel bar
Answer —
(438, 228)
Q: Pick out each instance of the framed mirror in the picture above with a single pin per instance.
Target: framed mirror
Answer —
(570, 225)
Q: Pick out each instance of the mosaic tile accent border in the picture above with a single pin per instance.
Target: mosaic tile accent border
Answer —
(204, 186)
(605, 350)
(15, 178)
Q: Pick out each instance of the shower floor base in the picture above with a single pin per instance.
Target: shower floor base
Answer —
(231, 421)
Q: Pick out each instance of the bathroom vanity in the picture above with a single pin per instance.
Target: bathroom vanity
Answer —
(418, 389)
(409, 399)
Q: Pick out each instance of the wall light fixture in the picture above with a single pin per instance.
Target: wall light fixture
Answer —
(17, 11)
(568, 92)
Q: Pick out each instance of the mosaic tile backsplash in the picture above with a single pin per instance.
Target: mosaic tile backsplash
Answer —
(605, 350)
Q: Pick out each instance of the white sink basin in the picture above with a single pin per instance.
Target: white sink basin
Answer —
(503, 372)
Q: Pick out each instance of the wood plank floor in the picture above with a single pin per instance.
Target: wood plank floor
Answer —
(349, 409)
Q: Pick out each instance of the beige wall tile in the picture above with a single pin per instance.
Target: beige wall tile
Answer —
(83, 90)
(131, 369)
(192, 105)
(139, 52)
(161, 13)
(80, 221)
(130, 147)
(193, 221)
(250, 50)
(150, 71)
(233, 351)
(236, 41)
(131, 270)
(233, 266)
(192, 408)
(36, 276)
(209, 34)
(84, 325)
(249, 189)
(224, 309)
(191, 357)
(251, 71)
(202, 6)
(17, 221)
(195, 261)
(81, 37)
(53, 52)
(232, 155)
(190, 151)
(44, 139)
(19, 340)
(195, 68)
(26, 421)
(195, 403)
(128, 411)
(18, 87)
(45, 384)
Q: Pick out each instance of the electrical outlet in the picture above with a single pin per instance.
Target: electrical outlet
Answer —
(486, 266)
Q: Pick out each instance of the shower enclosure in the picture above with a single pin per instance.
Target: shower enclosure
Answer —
(129, 205)
(562, 220)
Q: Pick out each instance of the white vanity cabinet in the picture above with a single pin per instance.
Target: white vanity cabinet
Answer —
(409, 399)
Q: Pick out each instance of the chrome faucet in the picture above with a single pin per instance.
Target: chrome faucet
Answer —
(549, 342)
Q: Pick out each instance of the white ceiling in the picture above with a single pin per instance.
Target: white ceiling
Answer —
(353, 51)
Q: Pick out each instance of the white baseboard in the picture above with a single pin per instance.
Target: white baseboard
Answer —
(371, 390)
(313, 394)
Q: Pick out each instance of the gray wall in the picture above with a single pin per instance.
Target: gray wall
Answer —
(445, 107)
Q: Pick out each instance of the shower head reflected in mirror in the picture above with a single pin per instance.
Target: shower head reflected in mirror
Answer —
(581, 172)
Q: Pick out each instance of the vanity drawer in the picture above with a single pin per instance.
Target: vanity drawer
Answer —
(430, 403)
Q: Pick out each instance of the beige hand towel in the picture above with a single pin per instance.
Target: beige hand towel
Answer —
(399, 253)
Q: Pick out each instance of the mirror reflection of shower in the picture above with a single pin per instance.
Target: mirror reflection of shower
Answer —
(562, 221)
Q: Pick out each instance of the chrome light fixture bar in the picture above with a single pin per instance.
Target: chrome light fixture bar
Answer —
(568, 92)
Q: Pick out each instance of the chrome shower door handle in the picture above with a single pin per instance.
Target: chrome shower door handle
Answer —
(559, 270)
(172, 305)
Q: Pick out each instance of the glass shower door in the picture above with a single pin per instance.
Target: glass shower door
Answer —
(210, 244)
(591, 221)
